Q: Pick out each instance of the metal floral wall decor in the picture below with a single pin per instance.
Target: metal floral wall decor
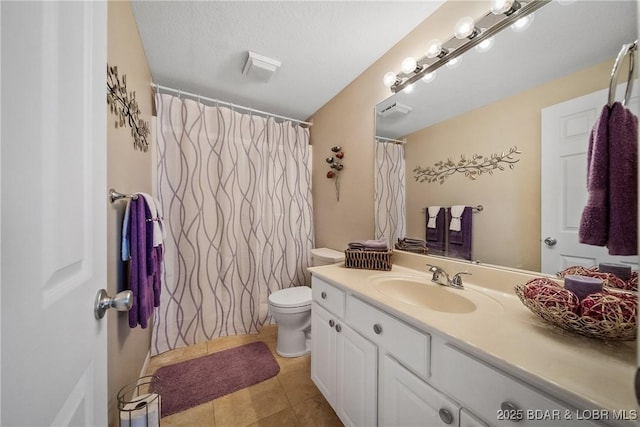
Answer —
(336, 166)
(124, 105)
(471, 168)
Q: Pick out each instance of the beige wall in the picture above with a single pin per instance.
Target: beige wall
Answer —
(128, 170)
(348, 121)
(507, 231)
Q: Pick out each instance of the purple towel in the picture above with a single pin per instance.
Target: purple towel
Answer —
(460, 241)
(610, 216)
(145, 265)
(436, 236)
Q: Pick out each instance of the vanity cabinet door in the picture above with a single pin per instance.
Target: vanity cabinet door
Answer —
(323, 352)
(344, 367)
(405, 400)
(357, 366)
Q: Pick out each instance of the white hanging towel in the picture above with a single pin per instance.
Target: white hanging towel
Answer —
(433, 213)
(456, 215)
(156, 216)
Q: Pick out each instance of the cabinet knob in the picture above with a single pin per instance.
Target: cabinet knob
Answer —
(331, 323)
(377, 329)
(445, 416)
(323, 295)
(512, 412)
(338, 327)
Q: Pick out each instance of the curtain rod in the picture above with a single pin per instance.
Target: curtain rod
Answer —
(229, 104)
(395, 141)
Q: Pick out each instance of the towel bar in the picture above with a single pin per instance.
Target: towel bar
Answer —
(114, 195)
(630, 49)
(478, 208)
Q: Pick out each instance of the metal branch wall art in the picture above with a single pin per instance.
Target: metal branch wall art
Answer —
(124, 105)
(472, 168)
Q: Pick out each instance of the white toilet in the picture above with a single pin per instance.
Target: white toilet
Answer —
(291, 309)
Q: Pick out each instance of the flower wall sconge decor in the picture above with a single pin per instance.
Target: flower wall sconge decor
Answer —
(335, 163)
(471, 168)
(124, 105)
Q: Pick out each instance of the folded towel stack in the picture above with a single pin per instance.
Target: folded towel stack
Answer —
(379, 245)
(410, 243)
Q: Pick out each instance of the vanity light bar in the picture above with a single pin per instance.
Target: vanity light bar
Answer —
(454, 49)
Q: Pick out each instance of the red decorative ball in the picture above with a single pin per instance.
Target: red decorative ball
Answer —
(551, 295)
(330, 174)
(339, 154)
(533, 286)
(619, 307)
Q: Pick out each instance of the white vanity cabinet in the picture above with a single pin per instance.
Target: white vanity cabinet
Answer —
(375, 369)
(343, 363)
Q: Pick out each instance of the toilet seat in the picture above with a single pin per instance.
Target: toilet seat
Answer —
(298, 296)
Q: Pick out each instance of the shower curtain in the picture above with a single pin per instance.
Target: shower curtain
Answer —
(235, 191)
(389, 191)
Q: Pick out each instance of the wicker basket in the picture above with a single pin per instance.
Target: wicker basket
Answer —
(368, 260)
(583, 325)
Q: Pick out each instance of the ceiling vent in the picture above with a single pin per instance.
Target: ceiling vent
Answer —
(259, 67)
(395, 110)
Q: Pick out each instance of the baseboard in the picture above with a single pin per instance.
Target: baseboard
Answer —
(145, 365)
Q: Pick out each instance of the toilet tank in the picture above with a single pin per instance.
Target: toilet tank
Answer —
(325, 256)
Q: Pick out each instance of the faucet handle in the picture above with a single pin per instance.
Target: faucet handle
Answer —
(457, 278)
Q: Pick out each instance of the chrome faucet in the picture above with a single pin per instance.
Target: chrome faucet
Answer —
(439, 273)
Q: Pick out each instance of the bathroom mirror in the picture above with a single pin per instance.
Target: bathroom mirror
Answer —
(491, 102)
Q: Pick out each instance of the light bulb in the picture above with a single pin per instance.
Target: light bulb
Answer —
(389, 79)
(454, 63)
(465, 28)
(485, 45)
(522, 24)
(504, 6)
(434, 48)
(408, 89)
(409, 65)
(427, 78)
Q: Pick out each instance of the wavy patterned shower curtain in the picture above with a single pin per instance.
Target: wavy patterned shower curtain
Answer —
(389, 191)
(235, 190)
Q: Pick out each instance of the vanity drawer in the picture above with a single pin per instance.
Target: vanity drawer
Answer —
(499, 398)
(408, 345)
(328, 296)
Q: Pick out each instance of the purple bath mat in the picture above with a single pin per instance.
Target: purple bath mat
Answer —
(193, 382)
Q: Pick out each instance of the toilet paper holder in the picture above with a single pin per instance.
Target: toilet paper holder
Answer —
(138, 406)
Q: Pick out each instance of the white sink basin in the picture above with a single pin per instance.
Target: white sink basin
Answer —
(420, 291)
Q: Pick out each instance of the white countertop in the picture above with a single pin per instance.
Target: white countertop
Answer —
(585, 372)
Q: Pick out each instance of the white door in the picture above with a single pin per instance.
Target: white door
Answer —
(53, 153)
(565, 139)
(407, 401)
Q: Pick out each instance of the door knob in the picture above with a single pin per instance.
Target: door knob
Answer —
(121, 302)
(550, 241)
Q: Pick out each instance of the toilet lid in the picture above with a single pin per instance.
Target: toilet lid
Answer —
(291, 297)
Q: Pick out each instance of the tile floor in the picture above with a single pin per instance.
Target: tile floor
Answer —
(290, 399)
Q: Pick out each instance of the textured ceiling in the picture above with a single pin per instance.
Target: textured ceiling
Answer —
(201, 47)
